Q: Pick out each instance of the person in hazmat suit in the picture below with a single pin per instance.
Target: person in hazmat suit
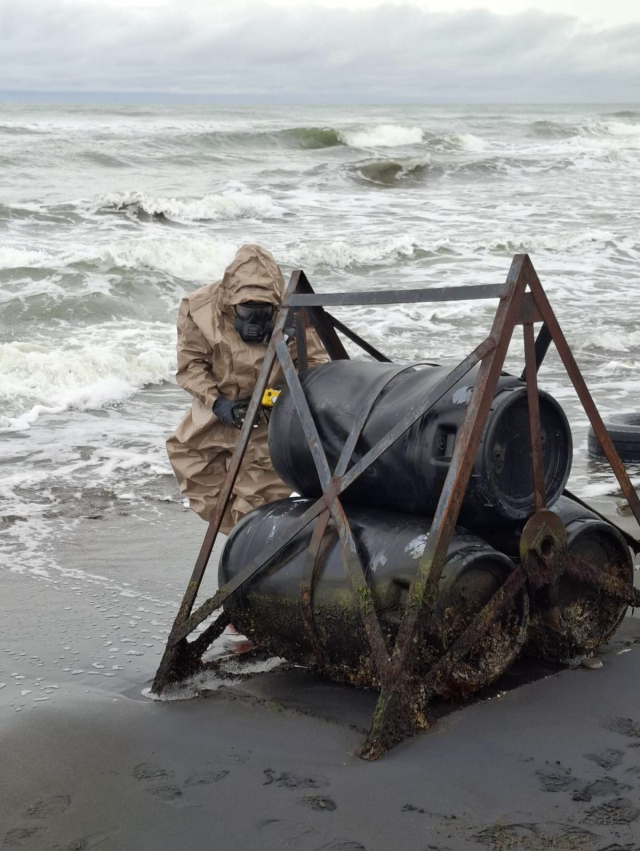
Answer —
(223, 333)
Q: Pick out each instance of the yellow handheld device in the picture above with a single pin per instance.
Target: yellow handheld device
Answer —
(269, 397)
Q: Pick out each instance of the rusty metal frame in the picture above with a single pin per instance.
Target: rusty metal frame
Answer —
(404, 696)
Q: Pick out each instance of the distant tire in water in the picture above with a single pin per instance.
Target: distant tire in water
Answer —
(624, 431)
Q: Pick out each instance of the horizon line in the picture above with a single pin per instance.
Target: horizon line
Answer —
(74, 97)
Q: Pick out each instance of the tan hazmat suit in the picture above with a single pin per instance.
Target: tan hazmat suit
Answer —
(213, 361)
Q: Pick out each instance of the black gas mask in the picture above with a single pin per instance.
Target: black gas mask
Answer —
(254, 321)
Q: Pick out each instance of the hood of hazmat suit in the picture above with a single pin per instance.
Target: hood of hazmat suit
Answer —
(214, 361)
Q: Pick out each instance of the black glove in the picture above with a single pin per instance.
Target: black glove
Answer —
(232, 413)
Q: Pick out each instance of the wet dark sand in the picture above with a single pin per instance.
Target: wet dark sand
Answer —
(552, 764)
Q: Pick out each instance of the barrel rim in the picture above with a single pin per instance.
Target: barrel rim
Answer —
(506, 398)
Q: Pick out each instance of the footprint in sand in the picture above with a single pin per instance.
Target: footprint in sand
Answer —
(169, 793)
(205, 778)
(317, 802)
(238, 756)
(48, 807)
(533, 836)
(84, 843)
(145, 771)
(303, 837)
(288, 780)
(616, 811)
(166, 793)
(20, 836)
(624, 726)
(43, 809)
(556, 781)
(600, 788)
(608, 759)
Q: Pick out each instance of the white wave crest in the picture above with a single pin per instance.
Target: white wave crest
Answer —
(224, 207)
(456, 142)
(97, 367)
(609, 128)
(469, 142)
(615, 341)
(557, 242)
(18, 258)
(198, 260)
(190, 258)
(382, 136)
(342, 255)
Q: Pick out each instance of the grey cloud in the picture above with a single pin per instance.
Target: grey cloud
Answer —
(308, 54)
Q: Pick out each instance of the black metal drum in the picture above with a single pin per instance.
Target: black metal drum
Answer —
(329, 634)
(409, 476)
(573, 618)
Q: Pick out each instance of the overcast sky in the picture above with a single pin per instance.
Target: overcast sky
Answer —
(291, 51)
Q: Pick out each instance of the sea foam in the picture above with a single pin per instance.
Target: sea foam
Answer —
(226, 206)
(340, 254)
(382, 136)
(96, 367)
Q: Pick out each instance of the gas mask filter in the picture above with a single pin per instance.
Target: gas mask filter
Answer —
(254, 321)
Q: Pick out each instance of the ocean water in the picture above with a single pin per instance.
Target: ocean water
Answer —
(108, 215)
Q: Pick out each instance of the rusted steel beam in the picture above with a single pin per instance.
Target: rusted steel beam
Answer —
(543, 341)
(407, 702)
(529, 313)
(397, 702)
(185, 657)
(312, 562)
(624, 592)
(215, 602)
(167, 664)
(428, 294)
(320, 320)
(302, 409)
(355, 572)
(394, 709)
(584, 395)
(300, 323)
(361, 419)
(202, 643)
(496, 606)
(533, 404)
(357, 339)
(425, 584)
(352, 563)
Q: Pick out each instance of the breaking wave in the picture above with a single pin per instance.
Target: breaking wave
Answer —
(382, 136)
(343, 255)
(626, 113)
(562, 130)
(191, 259)
(224, 207)
(453, 142)
(563, 242)
(392, 172)
(96, 368)
(314, 138)
(21, 258)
